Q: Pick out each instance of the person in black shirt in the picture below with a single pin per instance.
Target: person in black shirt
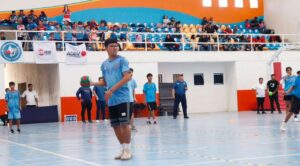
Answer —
(273, 86)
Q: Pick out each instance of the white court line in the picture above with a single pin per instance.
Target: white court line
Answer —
(240, 159)
(51, 153)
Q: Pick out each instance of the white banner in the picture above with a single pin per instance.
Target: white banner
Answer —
(11, 52)
(45, 52)
(76, 54)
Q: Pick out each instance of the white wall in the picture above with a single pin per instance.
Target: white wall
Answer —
(283, 16)
(43, 77)
(206, 98)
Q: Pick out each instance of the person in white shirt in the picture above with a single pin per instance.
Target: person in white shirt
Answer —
(31, 97)
(260, 95)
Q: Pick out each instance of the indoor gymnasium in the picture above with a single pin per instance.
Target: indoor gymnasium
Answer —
(149, 83)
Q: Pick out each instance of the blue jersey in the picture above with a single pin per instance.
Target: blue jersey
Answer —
(13, 101)
(85, 93)
(112, 71)
(150, 92)
(296, 91)
(289, 81)
(180, 87)
(100, 91)
(132, 85)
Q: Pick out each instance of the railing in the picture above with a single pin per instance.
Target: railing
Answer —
(156, 41)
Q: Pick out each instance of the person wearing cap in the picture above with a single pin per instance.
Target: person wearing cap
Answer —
(272, 87)
(84, 94)
(179, 94)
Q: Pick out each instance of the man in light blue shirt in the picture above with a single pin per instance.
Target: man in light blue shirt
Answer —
(132, 86)
(150, 95)
(295, 107)
(116, 74)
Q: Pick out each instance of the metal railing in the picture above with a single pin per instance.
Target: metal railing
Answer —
(155, 41)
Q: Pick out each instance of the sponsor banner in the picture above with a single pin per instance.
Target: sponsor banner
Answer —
(45, 52)
(76, 54)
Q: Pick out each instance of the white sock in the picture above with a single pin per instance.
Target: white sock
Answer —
(123, 146)
(127, 146)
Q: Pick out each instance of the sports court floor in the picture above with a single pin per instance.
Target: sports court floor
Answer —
(216, 139)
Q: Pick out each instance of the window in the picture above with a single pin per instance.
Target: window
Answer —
(207, 3)
(223, 3)
(239, 3)
(198, 79)
(218, 79)
(253, 3)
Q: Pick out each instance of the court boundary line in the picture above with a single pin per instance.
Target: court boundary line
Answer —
(49, 152)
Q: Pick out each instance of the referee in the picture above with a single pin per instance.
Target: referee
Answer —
(178, 92)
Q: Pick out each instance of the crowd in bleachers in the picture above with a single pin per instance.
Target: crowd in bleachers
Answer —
(170, 34)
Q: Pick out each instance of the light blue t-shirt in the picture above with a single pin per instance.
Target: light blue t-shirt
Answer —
(112, 71)
(296, 91)
(179, 87)
(13, 100)
(132, 85)
(289, 81)
(150, 92)
(100, 91)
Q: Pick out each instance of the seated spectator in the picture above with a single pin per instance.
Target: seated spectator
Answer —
(170, 43)
(41, 26)
(124, 29)
(31, 26)
(244, 39)
(262, 26)
(13, 18)
(210, 29)
(203, 39)
(68, 34)
(22, 16)
(32, 16)
(43, 17)
(93, 23)
(20, 27)
(204, 21)
(194, 43)
(236, 30)
(228, 30)
(138, 41)
(2, 36)
(254, 23)
(80, 31)
(102, 30)
(172, 23)
(247, 24)
(260, 45)
(211, 21)
(93, 38)
(165, 21)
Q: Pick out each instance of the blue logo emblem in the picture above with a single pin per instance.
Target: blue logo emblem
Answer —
(11, 51)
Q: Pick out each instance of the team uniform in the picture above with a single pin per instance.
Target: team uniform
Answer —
(13, 103)
(150, 93)
(180, 97)
(119, 103)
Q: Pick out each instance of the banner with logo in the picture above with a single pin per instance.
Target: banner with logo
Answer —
(76, 54)
(11, 52)
(45, 52)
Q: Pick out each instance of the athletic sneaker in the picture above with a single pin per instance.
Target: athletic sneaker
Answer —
(148, 122)
(155, 122)
(90, 121)
(126, 155)
(296, 119)
(118, 157)
(105, 120)
(283, 126)
(279, 112)
(19, 131)
(97, 121)
(12, 131)
(83, 121)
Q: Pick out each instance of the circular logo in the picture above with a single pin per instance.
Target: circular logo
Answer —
(11, 51)
(83, 53)
(41, 52)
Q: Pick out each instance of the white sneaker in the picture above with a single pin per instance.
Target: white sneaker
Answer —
(283, 126)
(126, 155)
(105, 120)
(118, 157)
(296, 119)
(97, 121)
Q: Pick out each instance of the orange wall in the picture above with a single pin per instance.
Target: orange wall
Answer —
(71, 105)
(190, 7)
(2, 106)
(247, 100)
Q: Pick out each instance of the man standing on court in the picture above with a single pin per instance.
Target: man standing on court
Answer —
(273, 86)
(178, 93)
(260, 95)
(31, 97)
(99, 92)
(116, 74)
